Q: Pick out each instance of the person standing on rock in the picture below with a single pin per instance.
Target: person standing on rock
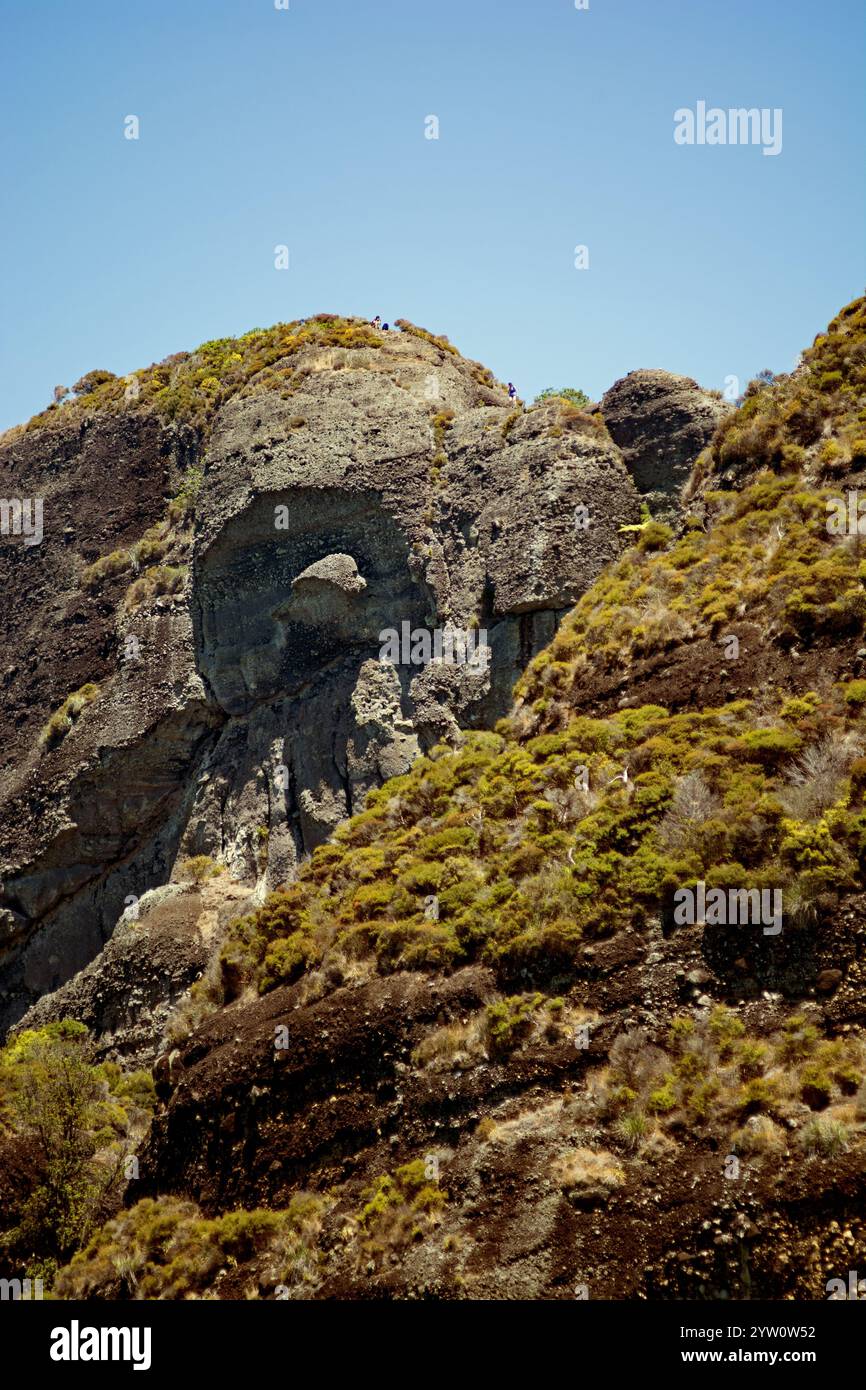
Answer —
(377, 322)
(512, 392)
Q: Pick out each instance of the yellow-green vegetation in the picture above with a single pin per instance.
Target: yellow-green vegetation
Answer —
(88, 383)
(62, 719)
(151, 548)
(495, 1031)
(106, 567)
(529, 856)
(200, 867)
(710, 1074)
(166, 1249)
(558, 829)
(572, 394)
(510, 421)
(190, 387)
(437, 339)
(399, 1209)
(442, 422)
(263, 836)
(649, 533)
(67, 1126)
(182, 506)
(528, 866)
(766, 556)
(156, 581)
(784, 423)
(510, 1020)
(170, 539)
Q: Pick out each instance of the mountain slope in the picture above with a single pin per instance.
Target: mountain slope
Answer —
(476, 1049)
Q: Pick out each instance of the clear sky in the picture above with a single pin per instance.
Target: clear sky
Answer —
(306, 127)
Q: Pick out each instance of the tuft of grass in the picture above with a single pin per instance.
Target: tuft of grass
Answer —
(826, 1138)
(156, 581)
(62, 720)
(107, 566)
(633, 1128)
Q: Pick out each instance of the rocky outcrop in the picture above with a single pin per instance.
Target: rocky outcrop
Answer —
(127, 994)
(244, 715)
(661, 422)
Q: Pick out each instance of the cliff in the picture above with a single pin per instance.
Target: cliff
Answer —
(451, 1033)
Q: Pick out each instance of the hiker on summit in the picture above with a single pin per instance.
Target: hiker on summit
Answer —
(376, 323)
(512, 391)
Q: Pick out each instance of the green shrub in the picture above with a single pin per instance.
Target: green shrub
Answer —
(770, 746)
(68, 1125)
(509, 1020)
(572, 394)
(509, 422)
(816, 1087)
(182, 506)
(654, 535)
(663, 1099)
(164, 1248)
(285, 960)
(89, 382)
(632, 1128)
(200, 868)
(855, 693)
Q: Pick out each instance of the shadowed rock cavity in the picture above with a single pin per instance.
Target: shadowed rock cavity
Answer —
(295, 584)
(291, 601)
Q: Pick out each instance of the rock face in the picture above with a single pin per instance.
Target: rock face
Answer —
(126, 994)
(390, 487)
(661, 422)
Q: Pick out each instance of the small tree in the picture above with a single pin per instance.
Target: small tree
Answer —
(568, 393)
(65, 1133)
(60, 393)
(91, 380)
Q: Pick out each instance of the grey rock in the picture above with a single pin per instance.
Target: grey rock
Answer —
(661, 422)
(260, 701)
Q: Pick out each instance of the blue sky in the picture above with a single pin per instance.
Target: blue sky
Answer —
(305, 127)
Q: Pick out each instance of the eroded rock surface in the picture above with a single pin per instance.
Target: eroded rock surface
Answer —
(254, 713)
(661, 422)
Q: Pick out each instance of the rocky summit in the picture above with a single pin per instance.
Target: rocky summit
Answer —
(394, 777)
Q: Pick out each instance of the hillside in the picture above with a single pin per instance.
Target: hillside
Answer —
(425, 1016)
